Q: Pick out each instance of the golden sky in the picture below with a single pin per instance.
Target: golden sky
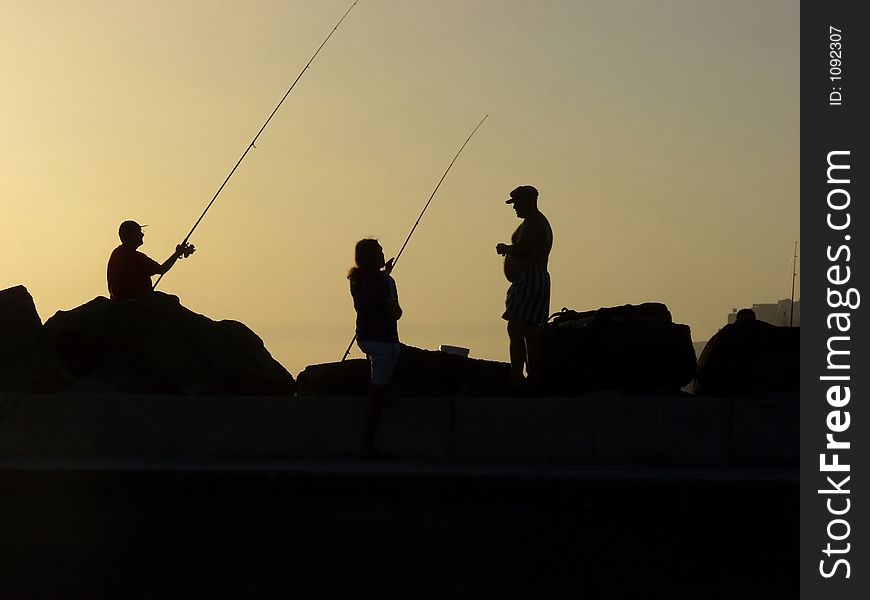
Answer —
(663, 137)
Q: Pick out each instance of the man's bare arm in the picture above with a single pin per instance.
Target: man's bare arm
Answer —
(181, 250)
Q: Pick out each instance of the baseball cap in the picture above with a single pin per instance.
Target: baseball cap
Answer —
(522, 193)
(129, 227)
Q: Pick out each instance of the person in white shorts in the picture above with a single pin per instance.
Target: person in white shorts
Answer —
(376, 301)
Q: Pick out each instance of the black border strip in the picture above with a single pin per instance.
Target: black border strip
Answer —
(828, 126)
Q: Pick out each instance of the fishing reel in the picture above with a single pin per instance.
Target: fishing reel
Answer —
(184, 250)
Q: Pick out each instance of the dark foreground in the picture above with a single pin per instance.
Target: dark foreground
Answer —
(394, 529)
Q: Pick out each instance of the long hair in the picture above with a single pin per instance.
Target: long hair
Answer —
(365, 255)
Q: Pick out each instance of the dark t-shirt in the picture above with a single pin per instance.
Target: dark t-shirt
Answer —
(129, 273)
(370, 294)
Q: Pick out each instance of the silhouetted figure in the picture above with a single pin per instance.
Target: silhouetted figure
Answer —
(129, 271)
(750, 357)
(527, 304)
(376, 301)
(745, 314)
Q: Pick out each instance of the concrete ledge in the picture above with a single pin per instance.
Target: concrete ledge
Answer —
(524, 428)
(766, 429)
(599, 428)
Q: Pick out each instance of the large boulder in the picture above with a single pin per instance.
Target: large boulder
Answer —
(420, 373)
(154, 345)
(750, 357)
(630, 347)
(20, 333)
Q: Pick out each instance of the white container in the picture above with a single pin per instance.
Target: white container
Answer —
(457, 350)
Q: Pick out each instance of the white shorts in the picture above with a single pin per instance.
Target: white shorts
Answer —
(382, 357)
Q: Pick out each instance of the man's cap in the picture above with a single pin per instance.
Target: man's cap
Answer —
(524, 192)
(128, 227)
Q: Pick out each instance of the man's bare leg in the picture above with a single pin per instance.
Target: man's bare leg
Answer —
(534, 353)
(516, 333)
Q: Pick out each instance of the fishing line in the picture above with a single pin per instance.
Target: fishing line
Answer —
(254, 141)
(402, 249)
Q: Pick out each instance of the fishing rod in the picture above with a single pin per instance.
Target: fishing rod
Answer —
(407, 239)
(254, 141)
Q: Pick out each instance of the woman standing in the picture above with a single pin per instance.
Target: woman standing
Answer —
(376, 301)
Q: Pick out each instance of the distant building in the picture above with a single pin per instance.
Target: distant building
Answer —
(775, 314)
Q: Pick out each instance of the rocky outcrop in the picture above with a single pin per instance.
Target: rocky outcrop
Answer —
(20, 335)
(630, 347)
(619, 348)
(150, 345)
(750, 357)
(418, 373)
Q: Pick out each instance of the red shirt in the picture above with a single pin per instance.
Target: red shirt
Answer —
(129, 273)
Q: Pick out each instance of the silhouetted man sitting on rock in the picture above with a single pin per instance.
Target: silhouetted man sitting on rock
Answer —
(527, 305)
(129, 271)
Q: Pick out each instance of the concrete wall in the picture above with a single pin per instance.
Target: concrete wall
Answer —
(600, 428)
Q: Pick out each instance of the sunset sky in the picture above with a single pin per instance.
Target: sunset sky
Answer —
(663, 137)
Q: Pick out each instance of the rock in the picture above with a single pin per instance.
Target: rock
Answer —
(347, 378)
(750, 357)
(418, 373)
(21, 330)
(627, 312)
(154, 345)
(630, 347)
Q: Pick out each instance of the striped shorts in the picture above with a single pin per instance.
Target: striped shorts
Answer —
(528, 298)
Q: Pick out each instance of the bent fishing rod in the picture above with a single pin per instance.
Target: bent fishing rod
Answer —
(254, 141)
(429, 201)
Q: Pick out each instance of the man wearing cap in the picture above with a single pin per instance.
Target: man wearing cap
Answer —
(527, 304)
(129, 271)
